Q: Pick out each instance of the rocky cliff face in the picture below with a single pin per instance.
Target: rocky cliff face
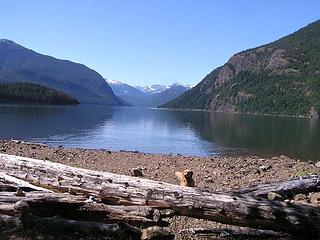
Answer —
(257, 60)
(282, 77)
(262, 59)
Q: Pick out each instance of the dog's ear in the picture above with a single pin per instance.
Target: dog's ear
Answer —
(185, 178)
(188, 173)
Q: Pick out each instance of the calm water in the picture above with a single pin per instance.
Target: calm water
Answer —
(161, 131)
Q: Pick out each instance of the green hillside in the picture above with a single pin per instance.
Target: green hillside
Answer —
(19, 64)
(282, 77)
(33, 93)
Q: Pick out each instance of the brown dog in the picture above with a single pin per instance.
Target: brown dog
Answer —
(185, 178)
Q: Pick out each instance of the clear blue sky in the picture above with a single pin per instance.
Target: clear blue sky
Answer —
(151, 41)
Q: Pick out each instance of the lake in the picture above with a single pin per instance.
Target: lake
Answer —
(161, 131)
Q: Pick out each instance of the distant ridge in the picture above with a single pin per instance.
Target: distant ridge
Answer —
(171, 92)
(19, 64)
(155, 88)
(148, 96)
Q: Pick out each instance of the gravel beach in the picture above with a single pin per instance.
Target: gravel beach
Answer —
(214, 173)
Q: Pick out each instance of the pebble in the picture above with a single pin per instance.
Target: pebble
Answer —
(300, 197)
(314, 197)
(137, 172)
(19, 193)
(274, 196)
(285, 157)
(265, 167)
(209, 180)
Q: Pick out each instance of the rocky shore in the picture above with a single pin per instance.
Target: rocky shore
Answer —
(214, 173)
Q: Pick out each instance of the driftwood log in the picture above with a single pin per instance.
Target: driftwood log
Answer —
(240, 233)
(26, 211)
(131, 192)
(287, 189)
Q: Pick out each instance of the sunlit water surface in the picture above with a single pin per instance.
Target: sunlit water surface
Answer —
(161, 131)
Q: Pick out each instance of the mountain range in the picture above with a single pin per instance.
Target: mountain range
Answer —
(148, 96)
(280, 78)
(155, 88)
(19, 64)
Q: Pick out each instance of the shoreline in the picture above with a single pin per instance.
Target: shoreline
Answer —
(239, 113)
(217, 173)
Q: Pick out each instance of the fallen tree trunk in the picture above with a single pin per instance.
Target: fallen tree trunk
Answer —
(286, 189)
(35, 227)
(78, 208)
(241, 233)
(47, 215)
(232, 209)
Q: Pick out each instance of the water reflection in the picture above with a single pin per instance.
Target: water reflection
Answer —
(29, 121)
(295, 137)
(161, 131)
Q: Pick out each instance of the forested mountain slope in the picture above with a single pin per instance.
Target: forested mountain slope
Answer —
(19, 64)
(33, 93)
(281, 78)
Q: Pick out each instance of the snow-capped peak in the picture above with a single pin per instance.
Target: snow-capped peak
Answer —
(155, 88)
(149, 89)
(176, 84)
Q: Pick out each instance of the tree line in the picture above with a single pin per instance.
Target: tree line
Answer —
(34, 93)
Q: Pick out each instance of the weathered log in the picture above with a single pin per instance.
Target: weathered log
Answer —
(29, 226)
(42, 202)
(286, 189)
(233, 233)
(64, 216)
(124, 190)
(77, 207)
(18, 183)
